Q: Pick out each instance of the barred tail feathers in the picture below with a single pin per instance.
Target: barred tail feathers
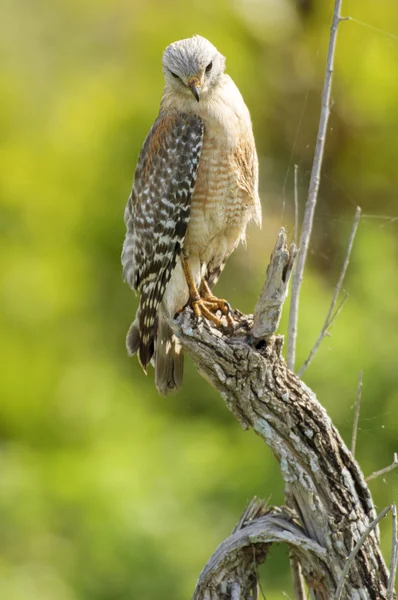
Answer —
(169, 358)
(133, 335)
(141, 335)
(137, 343)
(157, 344)
(148, 321)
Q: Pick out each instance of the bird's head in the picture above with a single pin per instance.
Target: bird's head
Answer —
(193, 66)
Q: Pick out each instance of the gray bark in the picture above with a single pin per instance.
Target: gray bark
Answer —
(325, 486)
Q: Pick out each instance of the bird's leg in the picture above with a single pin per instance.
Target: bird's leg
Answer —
(198, 304)
(214, 303)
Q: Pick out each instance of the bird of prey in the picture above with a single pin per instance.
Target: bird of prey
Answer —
(195, 190)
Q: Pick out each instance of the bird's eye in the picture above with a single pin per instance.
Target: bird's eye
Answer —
(174, 75)
(208, 68)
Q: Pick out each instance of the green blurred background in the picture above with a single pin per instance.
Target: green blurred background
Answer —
(108, 491)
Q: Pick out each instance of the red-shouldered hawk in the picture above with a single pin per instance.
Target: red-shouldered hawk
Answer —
(195, 189)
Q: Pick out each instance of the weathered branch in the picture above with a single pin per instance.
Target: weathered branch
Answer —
(268, 310)
(233, 566)
(332, 503)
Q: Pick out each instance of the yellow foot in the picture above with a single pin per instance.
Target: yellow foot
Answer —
(214, 304)
(203, 302)
(207, 307)
(201, 310)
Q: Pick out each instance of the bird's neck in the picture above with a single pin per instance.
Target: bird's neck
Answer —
(224, 101)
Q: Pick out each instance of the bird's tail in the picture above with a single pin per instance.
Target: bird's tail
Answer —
(140, 340)
(162, 348)
(169, 358)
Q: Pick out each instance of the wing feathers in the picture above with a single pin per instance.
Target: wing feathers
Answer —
(157, 213)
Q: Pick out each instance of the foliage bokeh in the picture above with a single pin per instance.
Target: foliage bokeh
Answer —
(107, 490)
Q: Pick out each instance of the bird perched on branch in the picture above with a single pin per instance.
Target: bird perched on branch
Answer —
(195, 189)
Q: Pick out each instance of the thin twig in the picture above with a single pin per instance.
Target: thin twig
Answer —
(356, 416)
(355, 550)
(391, 467)
(296, 203)
(394, 554)
(336, 312)
(330, 316)
(313, 190)
(297, 578)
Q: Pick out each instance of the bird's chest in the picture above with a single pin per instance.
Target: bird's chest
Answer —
(219, 206)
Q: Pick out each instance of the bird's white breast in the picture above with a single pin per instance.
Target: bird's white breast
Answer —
(222, 205)
(225, 196)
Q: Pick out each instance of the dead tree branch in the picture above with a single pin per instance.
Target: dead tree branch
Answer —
(331, 501)
(268, 309)
(233, 567)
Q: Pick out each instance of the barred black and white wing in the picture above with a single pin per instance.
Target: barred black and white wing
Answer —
(157, 216)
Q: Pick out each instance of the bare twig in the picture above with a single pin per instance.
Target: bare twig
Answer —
(391, 467)
(297, 578)
(331, 315)
(355, 551)
(313, 190)
(356, 416)
(394, 554)
(296, 203)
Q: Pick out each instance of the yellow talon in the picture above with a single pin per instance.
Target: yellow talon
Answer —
(200, 309)
(205, 304)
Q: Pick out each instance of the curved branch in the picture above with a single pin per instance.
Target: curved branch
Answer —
(324, 483)
(233, 566)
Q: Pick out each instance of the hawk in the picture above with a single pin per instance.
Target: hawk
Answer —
(195, 190)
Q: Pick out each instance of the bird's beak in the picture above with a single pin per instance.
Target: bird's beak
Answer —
(194, 85)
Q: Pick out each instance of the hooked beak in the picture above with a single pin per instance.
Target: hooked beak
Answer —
(194, 85)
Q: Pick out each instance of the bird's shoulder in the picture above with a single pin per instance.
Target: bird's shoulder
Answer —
(172, 135)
